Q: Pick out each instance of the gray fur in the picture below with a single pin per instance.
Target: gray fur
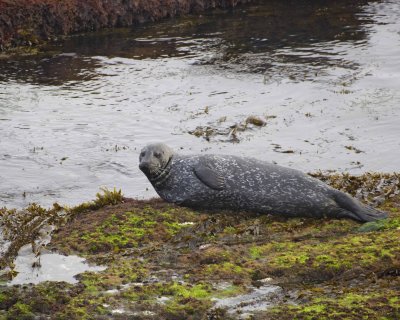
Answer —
(238, 183)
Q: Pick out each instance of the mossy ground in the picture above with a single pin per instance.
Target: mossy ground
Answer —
(166, 262)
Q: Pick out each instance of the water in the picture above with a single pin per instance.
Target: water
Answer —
(258, 299)
(53, 267)
(325, 76)
(34, 264)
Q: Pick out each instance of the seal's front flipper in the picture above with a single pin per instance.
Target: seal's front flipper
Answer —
(358, 211)
(209, 177)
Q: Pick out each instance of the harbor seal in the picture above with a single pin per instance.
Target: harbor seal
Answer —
(245, 184)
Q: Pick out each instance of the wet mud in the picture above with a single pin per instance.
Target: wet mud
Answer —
(169, 262)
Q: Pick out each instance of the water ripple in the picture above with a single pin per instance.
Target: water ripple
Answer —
(323, 78)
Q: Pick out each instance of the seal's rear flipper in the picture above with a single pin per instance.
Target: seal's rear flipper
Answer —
(356, 210)
(343, 213)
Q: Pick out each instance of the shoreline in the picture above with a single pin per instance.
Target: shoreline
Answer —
(30, 23)
(169, 262)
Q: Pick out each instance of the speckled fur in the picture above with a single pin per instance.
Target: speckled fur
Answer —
(253, 185)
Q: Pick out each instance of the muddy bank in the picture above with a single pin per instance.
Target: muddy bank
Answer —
(30, 22)
(167, 262)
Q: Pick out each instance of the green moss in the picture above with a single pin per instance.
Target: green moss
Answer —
(122, 271)
(73, 312)
(351, 299)
(118, 232)
(132, 296)
(3, 297)
(350, 305)
(184, 299)
(338, 272)
(333, 253)
(386, 224)
(255, 252)
(225, 270)
(198, 291)
(287, 259)
(327, 260)
(394, 302)
(230, 230)
(21, 311)
(314, 309)
(173, 227)
(127, 230)
(186, 308)
(230, 291)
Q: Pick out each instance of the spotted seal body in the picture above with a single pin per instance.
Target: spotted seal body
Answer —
(246, 184)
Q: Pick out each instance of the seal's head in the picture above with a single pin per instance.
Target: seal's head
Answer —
(155, 160)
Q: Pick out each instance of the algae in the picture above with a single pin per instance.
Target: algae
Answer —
(168, 262)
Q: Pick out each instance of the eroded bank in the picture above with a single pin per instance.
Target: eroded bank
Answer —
(30, 22)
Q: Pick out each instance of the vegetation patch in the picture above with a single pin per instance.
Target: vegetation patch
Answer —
(347, 305)
(168, 262)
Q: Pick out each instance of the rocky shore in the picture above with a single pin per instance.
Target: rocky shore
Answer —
(32, 22)
(167, 262)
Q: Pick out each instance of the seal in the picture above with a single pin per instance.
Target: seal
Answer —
(245, 184)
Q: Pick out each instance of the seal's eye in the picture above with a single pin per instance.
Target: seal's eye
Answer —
(157, 155)
(142, 154)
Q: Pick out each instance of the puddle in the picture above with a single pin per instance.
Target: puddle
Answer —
(35, 264)
(53, 267)
(247, 304)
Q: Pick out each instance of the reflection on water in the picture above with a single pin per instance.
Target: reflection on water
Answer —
(279, 31)
(49, 70)
(324, 75)
(53, 267)
(245, 305)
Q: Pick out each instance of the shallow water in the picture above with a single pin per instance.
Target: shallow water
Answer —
(245, 305)
(53, 267)
(324, 76)
(34, 264)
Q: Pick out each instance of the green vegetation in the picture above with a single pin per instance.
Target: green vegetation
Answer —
(347, 305)
(167, 262)
(23, 227)
(104, 198)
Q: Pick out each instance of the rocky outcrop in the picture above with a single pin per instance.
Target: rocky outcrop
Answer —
(29, 22)
(172, 263)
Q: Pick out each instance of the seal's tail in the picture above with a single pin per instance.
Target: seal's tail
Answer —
(355, 210)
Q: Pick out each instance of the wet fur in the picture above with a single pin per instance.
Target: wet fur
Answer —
(247, 184)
